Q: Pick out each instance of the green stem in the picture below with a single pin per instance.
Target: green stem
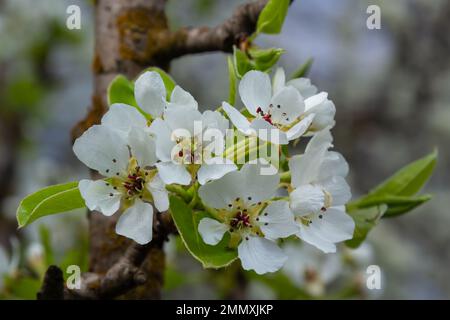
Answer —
(179, 190)
(285, 177)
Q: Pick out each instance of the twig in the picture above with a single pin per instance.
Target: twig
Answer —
(123, 276)
(231, 32)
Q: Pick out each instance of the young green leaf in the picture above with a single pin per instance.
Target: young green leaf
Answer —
(169, 83)
(264, 59)
(365, 219)
(398, 191)
(51, 200)
(303, 70)
(121, 90)
(272, 17)
(410, 179)
(256, 59)
(242, 62)
(397, 205)
(232, 81)
(187, 222)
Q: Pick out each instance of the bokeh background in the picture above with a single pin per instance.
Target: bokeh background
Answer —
(390, 88)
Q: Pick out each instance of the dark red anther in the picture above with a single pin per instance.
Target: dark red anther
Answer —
(180, 153)
(240, 220)
(268, 117)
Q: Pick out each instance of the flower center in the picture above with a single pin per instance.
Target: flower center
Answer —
(240, 221)
(266, 116)
(189, 150)
(135, 182)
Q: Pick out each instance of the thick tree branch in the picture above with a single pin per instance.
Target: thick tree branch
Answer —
(220, 38)
(124, 275)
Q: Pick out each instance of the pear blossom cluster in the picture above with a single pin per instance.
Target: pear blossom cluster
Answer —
(166, 141)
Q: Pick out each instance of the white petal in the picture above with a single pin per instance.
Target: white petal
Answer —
(328, 228)
(338, 189)
(211, 230)
(214, 169)
(255, 91)
(313, 237)
(173, 173)
(182, 98)
(306, 168)
(142, 147)
(261, 255)
(279, 80)
(315, 100)
(304, 87)
(324, 115)
(247, 184)
(238, 120)
(150, 93)
(279, 221)
(215, 120)
(159, 193)
(100, 195)
(333, 164)
(102, 149)
(307, 199)
(268, 132)
(137, 223)
(123, 117)
(184, 118)
(321, 140)
(287, 106)
(300, 128)
(164, 144)
(335, 225)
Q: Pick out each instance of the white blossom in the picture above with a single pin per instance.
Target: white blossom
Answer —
(279, 113)
(190, 144)
(315, 103)
(320, 194)
(241, 199)
(128, 161)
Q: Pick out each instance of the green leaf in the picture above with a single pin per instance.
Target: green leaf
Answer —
(365, 219)
(256, 59)
(303, 70)
(410, 179)
(398, 191)
(397, 205)
(169, 83)
(242, 62)
(51, 200)
(272, 17)
(264, 59)
(232, 80)
(121, 90)
(186, 220)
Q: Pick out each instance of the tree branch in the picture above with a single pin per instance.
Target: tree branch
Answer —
(123, 276)
(231, 32)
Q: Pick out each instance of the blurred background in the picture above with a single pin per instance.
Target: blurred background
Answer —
(391, 91)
